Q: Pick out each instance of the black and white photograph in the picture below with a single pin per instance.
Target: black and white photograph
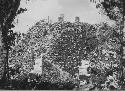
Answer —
(74, 45)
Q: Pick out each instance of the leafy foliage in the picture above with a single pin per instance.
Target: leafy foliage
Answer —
(66, 45)
(114, 9)
(105, 60)
(48, 39)
(8, 12)
(70, 47)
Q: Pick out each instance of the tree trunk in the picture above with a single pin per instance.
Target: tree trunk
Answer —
(121, 52)
(8, 9)
(2, 55)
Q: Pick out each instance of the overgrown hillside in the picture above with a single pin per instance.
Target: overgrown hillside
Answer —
(64, 45)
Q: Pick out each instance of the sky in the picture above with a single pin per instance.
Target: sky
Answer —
(41, 9)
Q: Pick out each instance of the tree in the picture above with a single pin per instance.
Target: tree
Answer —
(8, 11)
(115, 10)
(104, 60)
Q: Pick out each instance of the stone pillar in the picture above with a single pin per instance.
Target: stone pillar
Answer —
(61, 18)
(77, 19)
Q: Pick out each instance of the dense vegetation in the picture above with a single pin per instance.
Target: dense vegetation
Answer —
(60, 48)
(70, 47)
(67, 44)
(115, 10)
